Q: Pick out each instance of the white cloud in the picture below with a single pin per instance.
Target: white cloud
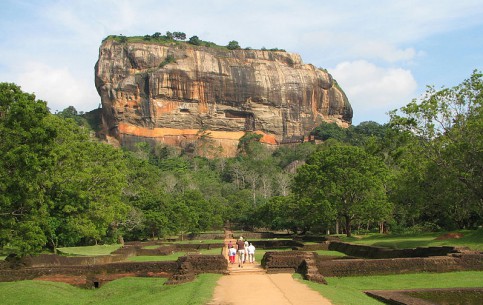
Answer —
(57, 86)
(380, 38)
(374, 90)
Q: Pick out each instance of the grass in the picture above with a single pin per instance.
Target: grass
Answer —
(152, 247)
(472, 239)
(205, 241)
(170, 257)
(349, 290)
(90, 250)
(123, 291)
(329, 253)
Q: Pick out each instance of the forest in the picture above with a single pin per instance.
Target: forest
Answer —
(61, 186)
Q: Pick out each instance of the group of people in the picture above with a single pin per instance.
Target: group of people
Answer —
(244, 250)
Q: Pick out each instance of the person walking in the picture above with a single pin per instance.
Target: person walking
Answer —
(241, 251)
(232, 254)
(251, 253)
(246, 250)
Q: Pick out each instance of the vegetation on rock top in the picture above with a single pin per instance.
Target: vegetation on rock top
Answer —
(179, 38)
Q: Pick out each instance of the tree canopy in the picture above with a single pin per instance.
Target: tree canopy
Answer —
(60, 186)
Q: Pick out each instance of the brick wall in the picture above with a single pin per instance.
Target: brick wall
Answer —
(359, 267)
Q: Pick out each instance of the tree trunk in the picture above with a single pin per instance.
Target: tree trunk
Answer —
(337, 226)
(348, 226)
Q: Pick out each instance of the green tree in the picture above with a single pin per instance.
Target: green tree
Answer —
(85, 183)
(179, 35)
(233, 45)
(449, 126)
(194, 40)
(345, 179)
(72, 113)
(25, 142)
(249, 144)
(327, 131)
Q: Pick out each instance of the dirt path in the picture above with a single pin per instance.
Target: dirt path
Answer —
(251, 285)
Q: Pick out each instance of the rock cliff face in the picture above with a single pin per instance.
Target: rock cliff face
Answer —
(186, 95)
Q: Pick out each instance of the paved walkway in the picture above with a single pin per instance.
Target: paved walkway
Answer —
(251, 285)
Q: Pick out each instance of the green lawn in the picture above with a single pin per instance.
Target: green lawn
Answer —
(472, 239)
(349, 290)
(170, 257)
(90, 250)
(123, 291)
(152, 247)
(329, 253)
(205, 241)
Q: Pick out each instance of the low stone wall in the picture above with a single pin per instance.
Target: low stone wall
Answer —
(205, 236)
(284, 261)
(260, 235)
(120, 255)
(48, 260)
(293, 261)
(196, 247)
(162, 250)
(361, 267)
(398, 297)
(206, 263)
(191, 265)
(315, 247)
(317, 239)
(182, 270)
(274, 244)
(365, 251)
(164, 269)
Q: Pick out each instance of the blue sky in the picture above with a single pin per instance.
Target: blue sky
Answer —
(382, 53)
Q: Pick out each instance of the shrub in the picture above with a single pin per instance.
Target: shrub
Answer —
(169, 59)
(194, 40)
(233, 45)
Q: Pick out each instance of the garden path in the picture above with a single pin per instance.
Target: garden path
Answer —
(251, 285)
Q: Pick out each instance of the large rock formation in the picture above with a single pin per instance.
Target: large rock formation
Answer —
(186, 95)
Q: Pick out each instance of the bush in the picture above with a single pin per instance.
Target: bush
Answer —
(233, 45)
(169, 59)
(194, 40)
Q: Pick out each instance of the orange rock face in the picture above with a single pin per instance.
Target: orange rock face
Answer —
(210, 97)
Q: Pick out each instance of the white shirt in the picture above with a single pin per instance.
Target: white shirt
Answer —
(251, 249)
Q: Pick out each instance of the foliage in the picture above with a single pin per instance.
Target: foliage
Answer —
(194, 40)
(327, 131)
(58, 186)
(249, 144)
(179, 35)
(344, 181)
(168, 60)
(179, 38)
(25, 140)
(448, 127)
(233, 45)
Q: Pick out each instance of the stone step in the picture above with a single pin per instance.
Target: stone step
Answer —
(234, 269)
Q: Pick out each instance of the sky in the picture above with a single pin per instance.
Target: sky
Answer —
(382, 53)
